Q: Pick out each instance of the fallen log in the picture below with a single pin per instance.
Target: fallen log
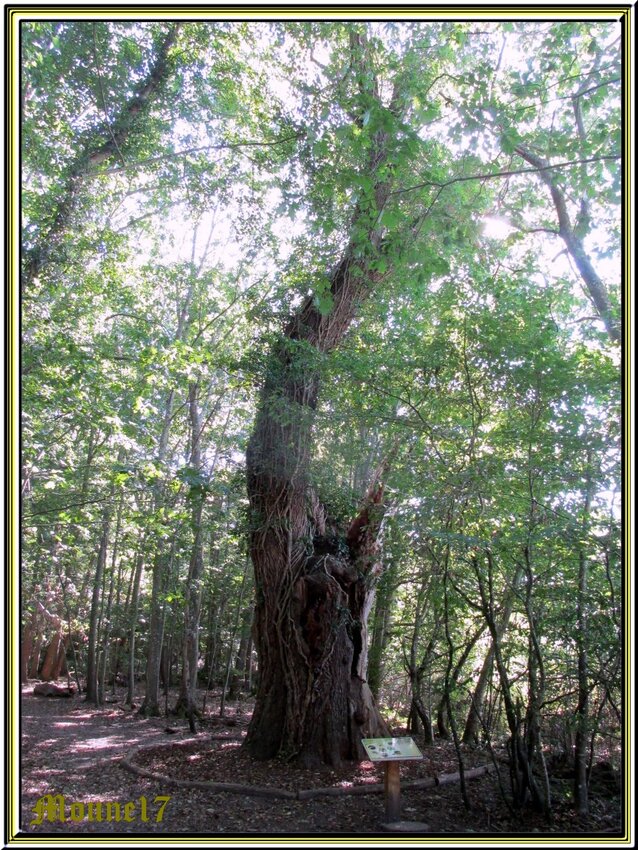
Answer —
(369, 788)
(340, 791)
(49, 689)
(448, 778)
(283, 794)
(229, 787)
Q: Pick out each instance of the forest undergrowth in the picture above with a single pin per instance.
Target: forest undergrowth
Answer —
(75, 750)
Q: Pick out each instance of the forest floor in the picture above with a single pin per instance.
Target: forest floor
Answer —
(72, 749)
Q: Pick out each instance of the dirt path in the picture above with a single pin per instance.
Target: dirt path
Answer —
(71, 749)
(74, 750)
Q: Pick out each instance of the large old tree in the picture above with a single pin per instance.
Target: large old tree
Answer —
(315, 581)
(191, 190)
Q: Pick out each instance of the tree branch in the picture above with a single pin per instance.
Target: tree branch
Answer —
(595, 286)
(176, 154)
(513, 172)
(95, 151)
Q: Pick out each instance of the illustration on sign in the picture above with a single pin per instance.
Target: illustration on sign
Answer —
(391, 749)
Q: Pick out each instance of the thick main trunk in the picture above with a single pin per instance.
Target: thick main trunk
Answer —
(314, 590)
(313, 701)
(54, 659)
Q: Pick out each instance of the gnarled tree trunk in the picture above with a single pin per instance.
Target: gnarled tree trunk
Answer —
(314, 589)
(314, 594)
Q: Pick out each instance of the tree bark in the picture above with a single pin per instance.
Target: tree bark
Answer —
(313, 701)
(150, 705)
(161, 566)
(54, 658)
(314, 591)
(30, 638)
(453, 679)
(382, 622)
(521, 770)
(231, 647)
(217, 610)
(107, 614)
(239, 674)
(135, 599)
(416, 668)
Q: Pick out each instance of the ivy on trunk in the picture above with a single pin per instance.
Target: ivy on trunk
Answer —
(314, 589)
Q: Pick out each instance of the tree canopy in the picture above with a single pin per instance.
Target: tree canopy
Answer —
(343, 299)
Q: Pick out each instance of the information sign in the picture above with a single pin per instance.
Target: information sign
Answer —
(391, 749)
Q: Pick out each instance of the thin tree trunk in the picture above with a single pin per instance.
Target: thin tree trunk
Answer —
(34, 664)
(133, 613)
(473, 721)
(238, 676)
(541, 799)
(594, 284)
(231, 646)
(121, 616)
(448, 686)
(582, 709)
(519, 769)
(30, 633)
(452, 680)
(248, 660)
(380, 632)
(92, 694)
(150, 705)
(417, 668)
(213, 638)
(193, 591)
(108, 609)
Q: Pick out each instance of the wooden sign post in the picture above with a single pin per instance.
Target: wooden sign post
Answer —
(392, 751)
(392, 790)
